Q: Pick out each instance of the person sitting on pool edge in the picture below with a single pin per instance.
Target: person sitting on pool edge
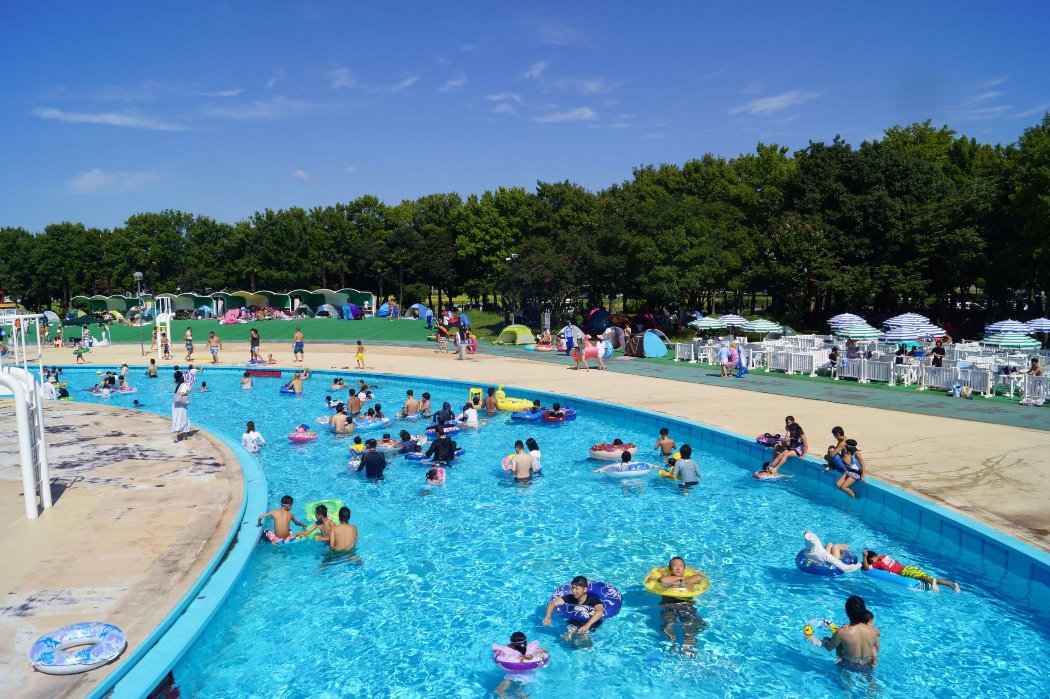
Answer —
(856, 643)
(578, 596)
(282, 517)
(684, 610)
(870, 559)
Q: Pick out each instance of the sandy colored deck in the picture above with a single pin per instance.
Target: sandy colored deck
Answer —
(135, 522)
(992, 473)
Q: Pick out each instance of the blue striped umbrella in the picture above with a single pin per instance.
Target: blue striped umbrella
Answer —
(1007, 326)
(845, 320)
(907, 319)
(732, 321)
(1039, 325)
(901, 334)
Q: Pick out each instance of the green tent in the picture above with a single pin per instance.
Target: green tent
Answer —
(515, 335)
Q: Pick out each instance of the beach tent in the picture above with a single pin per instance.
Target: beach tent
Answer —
(634, 347)
(51, 316)
(327, 309)
(643, 321)
(614, 335)
(384, 311)
(598, 319)
(654, 343)
(515, 335)
(206, 310)
(351, 311)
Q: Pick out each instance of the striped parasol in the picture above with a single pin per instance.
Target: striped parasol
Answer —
(733, 321)
(901, 334)
(906, 319)
(708, 323)
(1039, 325)
(859, 332)
(760, 325)
(1008, 326)
(845, 320)
(1008, 340)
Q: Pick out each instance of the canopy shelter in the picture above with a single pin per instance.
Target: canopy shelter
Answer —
(229, 301)
(364, 299)
(332, 298)
(515, 335)
(275, 300)
(252, 299)
(119, 302)
(195, 301)
(180, 302)
(306, 298)
(93, 304)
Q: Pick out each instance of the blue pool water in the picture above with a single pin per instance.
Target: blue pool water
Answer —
(442, 574)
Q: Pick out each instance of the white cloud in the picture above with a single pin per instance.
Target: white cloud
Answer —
(275, 78)
(1032, 112)
(352, 169)
(558, 33)
(406, 83)
(535, 70)
(505, 97)
(341, 77)
(100, 182)
(767, 106)
(653, 136)
(577, 114)
(453, 84)
(220, 93)
(503, 108)
(990, 83)
(131, 121)
(301, 175)
(260, 110)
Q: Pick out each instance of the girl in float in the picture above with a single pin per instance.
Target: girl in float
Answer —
(436, 476)
(518, 659)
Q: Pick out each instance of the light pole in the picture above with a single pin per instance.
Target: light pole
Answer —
(513, 256)
(138, 284)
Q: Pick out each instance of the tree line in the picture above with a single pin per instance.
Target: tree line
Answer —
(920, 219)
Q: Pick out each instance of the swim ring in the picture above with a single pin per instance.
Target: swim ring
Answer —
(510, 660)
(417, 456)
(631, 469)
(808, 565)
(303, 434)
(528, 415)
(543, 348)
(611, 452)
(610, 597)
(357, 448)
(62, 651)
(807, 630)
(512, 404)
(448, 429)
(652, 584)
(365, 424)
(568, 415)
(288, 391)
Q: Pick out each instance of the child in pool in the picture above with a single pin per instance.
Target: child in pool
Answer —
(436, 475)
(519, 650)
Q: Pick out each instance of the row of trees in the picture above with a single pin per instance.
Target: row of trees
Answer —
(921, 219)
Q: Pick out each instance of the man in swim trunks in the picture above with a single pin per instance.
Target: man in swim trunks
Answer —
(578, 596)
(297, 346)
(490, 402)
(353, 404)
(253, 346)
(687, 469)
(673, 608)
(872, 560)
(189, 344)
(522, 465)
(344, 535)
(340, 422)
(411, 406)
(282, 516)
(857, 643)
(214, 345)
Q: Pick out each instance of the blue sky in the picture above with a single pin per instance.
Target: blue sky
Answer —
(225, 108)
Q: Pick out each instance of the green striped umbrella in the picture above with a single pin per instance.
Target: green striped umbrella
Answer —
(1012, 341)
(860, 332)
(708, 323)
(761, 325)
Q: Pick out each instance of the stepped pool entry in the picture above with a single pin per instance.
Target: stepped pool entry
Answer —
(441, 573)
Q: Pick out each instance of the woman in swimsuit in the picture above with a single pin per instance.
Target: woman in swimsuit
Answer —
(854, 463)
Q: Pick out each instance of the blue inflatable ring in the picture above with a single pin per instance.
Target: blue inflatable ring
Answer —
(105, 642)
(819, 568)
(528, 415)
(288, 391)
(611, 599)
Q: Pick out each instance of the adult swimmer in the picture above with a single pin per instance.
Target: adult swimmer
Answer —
(578, 596)
(677, 609)
(856, 643)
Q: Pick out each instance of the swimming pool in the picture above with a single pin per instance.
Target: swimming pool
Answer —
(444, 574)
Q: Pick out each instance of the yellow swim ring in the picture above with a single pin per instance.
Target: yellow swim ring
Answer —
(653, 585)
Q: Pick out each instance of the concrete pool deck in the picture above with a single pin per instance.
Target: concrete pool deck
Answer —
(993, 473)
(135, 522)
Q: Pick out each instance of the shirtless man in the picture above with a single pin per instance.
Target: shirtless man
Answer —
(297, 346)
(321, 521)
(490, 402)
(835, 451)
(343, 536)
(665, 444)
(296, 383)
(353, 404)
(214, 345)
(522, 465)
(857, 643)
(281, 518)
(411, 406)
(340, 423)
(683, 610)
